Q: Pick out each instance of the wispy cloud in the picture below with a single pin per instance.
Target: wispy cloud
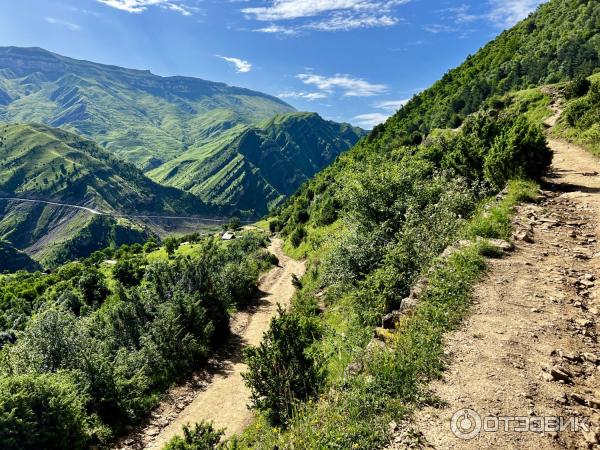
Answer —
(506, 13)
(324, 15)
(63, 23)
(240, 65)
(310, 96)
(501, 13)
(139, 6)
(370, 120)
(349, 86)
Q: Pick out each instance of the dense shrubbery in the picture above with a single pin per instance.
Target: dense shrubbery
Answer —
(581, 118)
(117, 350)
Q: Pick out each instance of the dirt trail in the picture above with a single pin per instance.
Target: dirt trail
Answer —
(529, 347)
(218, 393)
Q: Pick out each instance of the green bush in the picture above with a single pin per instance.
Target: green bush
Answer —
(577, 88)
(297, 236)
(519, 152)
(42, 412)
(281, 372)
(202, 437)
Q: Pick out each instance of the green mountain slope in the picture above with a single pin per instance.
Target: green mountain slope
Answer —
(12, 259)
(141, 117)
(39, 162)
(256, 168)
(558, 42)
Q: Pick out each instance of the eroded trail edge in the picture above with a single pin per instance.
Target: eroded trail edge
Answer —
(529, 347)
(218, 393)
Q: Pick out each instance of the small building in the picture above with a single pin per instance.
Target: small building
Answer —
(228, 236)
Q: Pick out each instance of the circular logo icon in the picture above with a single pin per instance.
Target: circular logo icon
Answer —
(466, 424)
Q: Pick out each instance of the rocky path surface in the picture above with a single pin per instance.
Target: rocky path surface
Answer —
(218, 393)
(530, 345)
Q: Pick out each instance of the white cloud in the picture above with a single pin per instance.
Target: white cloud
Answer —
(370, 120)
(294, 9)
(310, 96)
(277, 29)
(139, 6)
(392, 105)
(506, 13)
(349, 85)
(241, 66)
(346, 23)
(325, 15)
(63, 23)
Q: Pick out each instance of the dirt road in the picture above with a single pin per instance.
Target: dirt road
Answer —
(218, 394)
(529, 347)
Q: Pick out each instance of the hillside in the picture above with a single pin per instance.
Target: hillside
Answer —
(12, 260)
(257, 168)
(39, 162)
(143, 118)
(397, 232)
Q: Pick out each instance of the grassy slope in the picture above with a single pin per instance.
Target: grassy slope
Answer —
(256, 168)
(585, 128)
(51, 164)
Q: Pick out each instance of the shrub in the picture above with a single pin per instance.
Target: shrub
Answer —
(171, 244)
(202, 437)
(280, 370)
(577, 88)
(297, 236)
(519, 152)
(128, 272)
(42, 412)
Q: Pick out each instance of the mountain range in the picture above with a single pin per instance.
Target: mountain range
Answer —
(130, 142)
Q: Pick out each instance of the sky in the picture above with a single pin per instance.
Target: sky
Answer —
(354, 61)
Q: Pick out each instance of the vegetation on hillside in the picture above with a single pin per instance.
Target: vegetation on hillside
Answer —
(39, 162)
(255, 169)
(580, 121)
(99, 347)
(144, 118)
(376, 221)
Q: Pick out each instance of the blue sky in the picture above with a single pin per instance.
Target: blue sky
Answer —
(349, 60)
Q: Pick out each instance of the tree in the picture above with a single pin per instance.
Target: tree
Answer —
(128, 272)
(171, 244)
(93, 287)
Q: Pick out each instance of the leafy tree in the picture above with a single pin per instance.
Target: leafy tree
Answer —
(128, 272)
(93, 287)
(171, 244)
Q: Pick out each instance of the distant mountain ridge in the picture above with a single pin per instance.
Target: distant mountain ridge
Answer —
(258, 167)
(144, 118)
(240, 149)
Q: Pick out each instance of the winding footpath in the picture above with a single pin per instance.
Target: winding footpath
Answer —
(218, 393)
(530, 345)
